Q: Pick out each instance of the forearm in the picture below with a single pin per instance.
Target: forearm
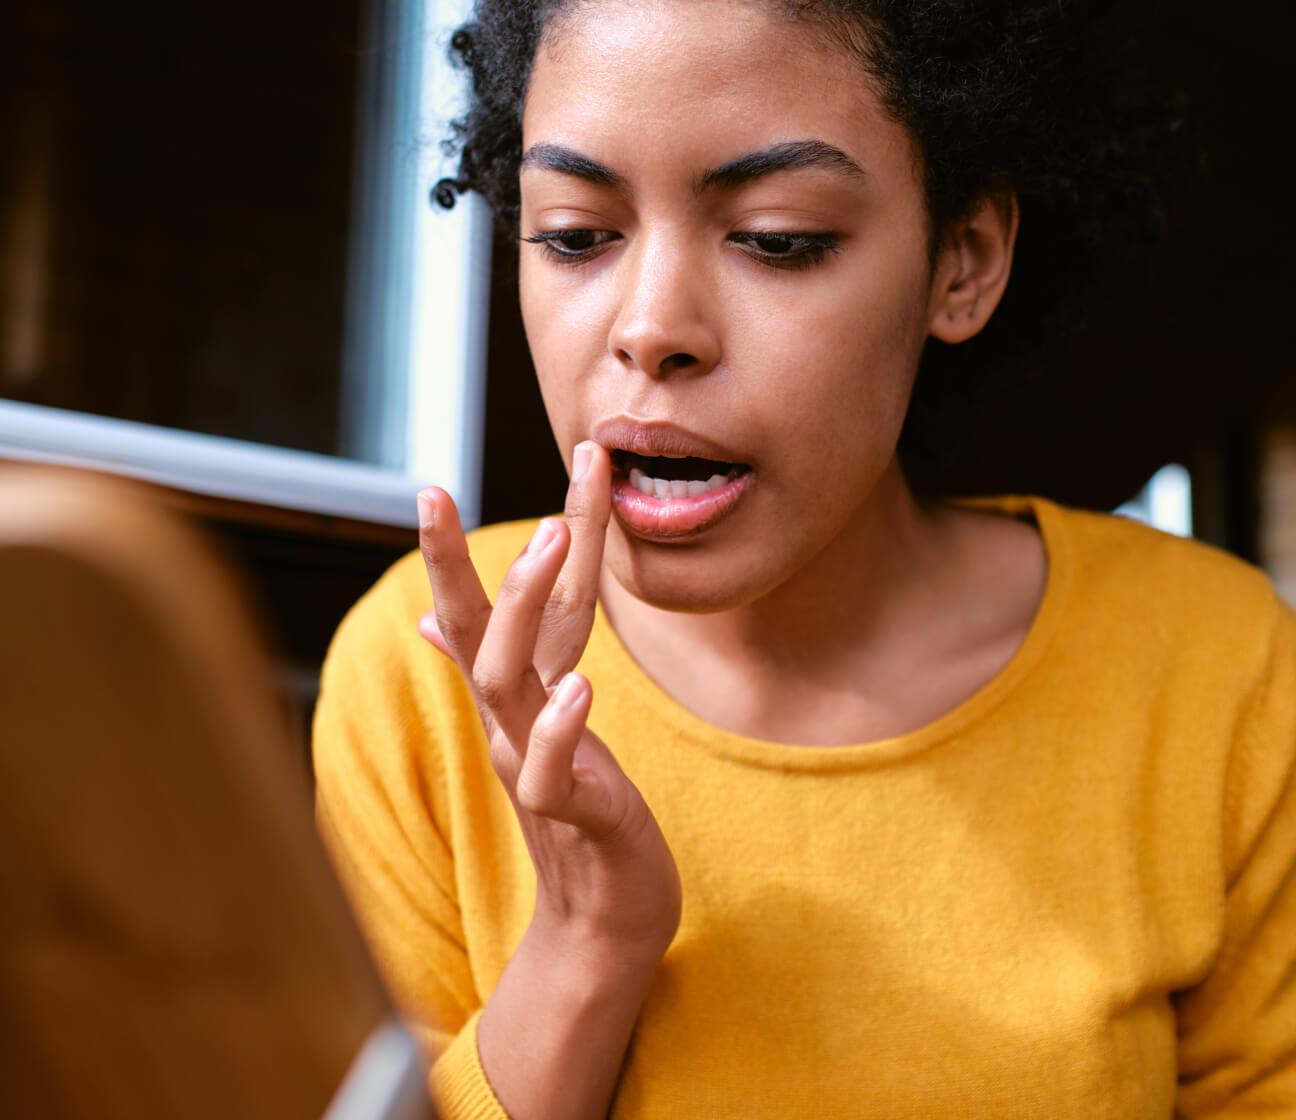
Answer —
(554, 1032)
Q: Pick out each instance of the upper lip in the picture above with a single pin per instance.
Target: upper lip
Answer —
(657, 437)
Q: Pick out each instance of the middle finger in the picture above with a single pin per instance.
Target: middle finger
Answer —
(504, 673)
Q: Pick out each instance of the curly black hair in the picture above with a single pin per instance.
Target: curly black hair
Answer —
(1034, 96)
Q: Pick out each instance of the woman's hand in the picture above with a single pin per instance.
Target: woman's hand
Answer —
(606, 882)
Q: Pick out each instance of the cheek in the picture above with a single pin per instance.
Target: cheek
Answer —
(841, 362)
(536, 306)
(558, 348)
(566, 318)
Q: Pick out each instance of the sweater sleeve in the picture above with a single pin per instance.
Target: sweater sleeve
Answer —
(1237, 1029)
(376, 771)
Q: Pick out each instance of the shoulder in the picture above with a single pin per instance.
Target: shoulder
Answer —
(1147, 587)
(1138, 564)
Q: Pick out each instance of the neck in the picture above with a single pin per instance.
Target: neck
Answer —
(848, 607)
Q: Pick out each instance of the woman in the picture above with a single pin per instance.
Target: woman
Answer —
(766, 789)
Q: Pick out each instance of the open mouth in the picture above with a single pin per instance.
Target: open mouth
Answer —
(664, 496)
(663, 476)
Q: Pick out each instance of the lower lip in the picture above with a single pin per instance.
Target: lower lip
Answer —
(666, 518)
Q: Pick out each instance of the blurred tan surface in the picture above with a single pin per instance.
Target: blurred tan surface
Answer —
(172, 939)
(1278, 508)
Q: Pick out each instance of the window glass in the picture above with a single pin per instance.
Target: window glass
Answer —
(174, 212)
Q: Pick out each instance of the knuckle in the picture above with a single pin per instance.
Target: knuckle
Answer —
(452, 627)
(456, 641)
(490, 684)
(533, 796)
(583, 507)
(515, 583)
(530, 678)
(566, 606)
(557, 607)
(577, 507)
(457, 626)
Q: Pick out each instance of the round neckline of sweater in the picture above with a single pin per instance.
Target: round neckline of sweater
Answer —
(662, 708)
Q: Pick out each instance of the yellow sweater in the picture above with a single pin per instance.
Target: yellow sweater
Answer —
(1073, 896)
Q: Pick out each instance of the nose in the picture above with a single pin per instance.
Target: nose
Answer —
(663, 327)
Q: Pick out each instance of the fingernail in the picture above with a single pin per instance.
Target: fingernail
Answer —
(581, 460)
(543, 535)
(427, 511)
(569, 691)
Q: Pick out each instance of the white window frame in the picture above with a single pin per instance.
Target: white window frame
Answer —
(430, 379)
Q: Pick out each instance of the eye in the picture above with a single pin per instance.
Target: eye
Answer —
(788, 250)
(570, 246)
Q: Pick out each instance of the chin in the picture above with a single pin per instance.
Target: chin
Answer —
(696, 577)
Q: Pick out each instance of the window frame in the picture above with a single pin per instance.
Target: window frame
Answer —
(432, 393)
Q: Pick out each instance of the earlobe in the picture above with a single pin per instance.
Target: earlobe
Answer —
(973, 268)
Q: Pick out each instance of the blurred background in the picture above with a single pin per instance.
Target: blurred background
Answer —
(219, 271)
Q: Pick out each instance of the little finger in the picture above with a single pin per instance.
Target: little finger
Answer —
(548, 784)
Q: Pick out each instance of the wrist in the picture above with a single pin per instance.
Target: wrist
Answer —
(592, 958)
(555, 1030)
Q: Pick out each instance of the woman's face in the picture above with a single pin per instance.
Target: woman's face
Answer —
(766, 311)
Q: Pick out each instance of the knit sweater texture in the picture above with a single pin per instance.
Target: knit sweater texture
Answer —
(1071, 896)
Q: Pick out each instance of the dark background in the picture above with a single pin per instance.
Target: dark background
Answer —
(182, 173)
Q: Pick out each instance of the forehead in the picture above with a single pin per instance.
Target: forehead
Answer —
(698, 79)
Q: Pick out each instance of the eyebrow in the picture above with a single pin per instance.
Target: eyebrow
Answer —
(786, 155)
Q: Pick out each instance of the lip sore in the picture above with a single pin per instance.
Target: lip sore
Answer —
(667, 518)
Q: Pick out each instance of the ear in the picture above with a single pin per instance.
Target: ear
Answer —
(972, 269)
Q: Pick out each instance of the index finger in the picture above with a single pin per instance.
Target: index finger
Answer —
(462, 606)
(587, 513)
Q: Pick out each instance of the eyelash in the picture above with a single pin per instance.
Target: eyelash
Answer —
(813, 247)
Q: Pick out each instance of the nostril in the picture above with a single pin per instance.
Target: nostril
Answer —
(675, 361)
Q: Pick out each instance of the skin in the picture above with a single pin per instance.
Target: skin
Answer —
(828, 583)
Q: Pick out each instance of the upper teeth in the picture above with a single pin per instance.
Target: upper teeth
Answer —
(673, 487)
